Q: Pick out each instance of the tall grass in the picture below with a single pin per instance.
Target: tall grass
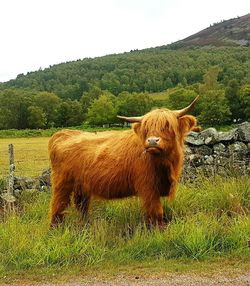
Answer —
(208, 219)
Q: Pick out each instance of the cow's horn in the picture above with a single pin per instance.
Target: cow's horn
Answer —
(187, 109)
(131, 119)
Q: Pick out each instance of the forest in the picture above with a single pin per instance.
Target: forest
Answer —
(94, 90)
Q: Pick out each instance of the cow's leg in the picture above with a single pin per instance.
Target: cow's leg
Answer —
(153, 209)
(173, 177)
(60, 200)
(81, 201)
(150, 198)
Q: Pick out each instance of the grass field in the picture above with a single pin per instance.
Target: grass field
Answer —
(31, 155)
(159, 95)
(210, 225)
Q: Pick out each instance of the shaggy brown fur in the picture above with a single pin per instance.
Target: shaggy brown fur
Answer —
(118, 164)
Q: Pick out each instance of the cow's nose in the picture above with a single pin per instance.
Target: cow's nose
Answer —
(152, 141)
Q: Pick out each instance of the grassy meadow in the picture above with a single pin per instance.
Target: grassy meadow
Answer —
(210, 225)
(30, 155)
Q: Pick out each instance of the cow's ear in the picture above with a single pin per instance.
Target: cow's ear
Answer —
(187, 123)
(136, 127)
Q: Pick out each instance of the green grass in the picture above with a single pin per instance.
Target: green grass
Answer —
(210, 225)
(161, 96)
(15, 133)
(30, 154)
(28, 133)
(210, 220)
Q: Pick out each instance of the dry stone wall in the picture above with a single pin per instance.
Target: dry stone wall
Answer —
(218, 153)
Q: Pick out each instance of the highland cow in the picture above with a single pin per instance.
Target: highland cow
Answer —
(145, 161)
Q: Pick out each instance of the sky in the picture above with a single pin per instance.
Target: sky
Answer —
(38, 33)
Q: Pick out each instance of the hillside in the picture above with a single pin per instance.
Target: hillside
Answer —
(233, 32)
(140, 71)
(150, 70)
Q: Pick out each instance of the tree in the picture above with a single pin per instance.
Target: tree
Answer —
(13, 108)
(181, 97)
(49, 102)
(134, 104)
(214, 108)
(213, 103)
(88, 97)
(111, 83)
(102, 111)
(245, 99)
(210, 79)
(69, 113)
(234, 100)
(36, 117)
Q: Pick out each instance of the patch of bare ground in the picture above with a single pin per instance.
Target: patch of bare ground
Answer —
(221, 279)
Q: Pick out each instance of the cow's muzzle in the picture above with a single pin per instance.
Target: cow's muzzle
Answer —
(153, 141)
(152, 145)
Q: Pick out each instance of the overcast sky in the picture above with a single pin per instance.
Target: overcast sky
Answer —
(38, 33)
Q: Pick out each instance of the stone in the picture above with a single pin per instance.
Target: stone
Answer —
(23, 183)
(45, 178)
(244, 132)
(240, 153)
(218, 148)
(204, 150)
(228, 136)
(237, 147)
(194, 138)
(210, 136)
(194, 160)
(209, 160)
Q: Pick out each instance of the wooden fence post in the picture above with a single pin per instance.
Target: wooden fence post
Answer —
(11, 170)
(8, 196)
